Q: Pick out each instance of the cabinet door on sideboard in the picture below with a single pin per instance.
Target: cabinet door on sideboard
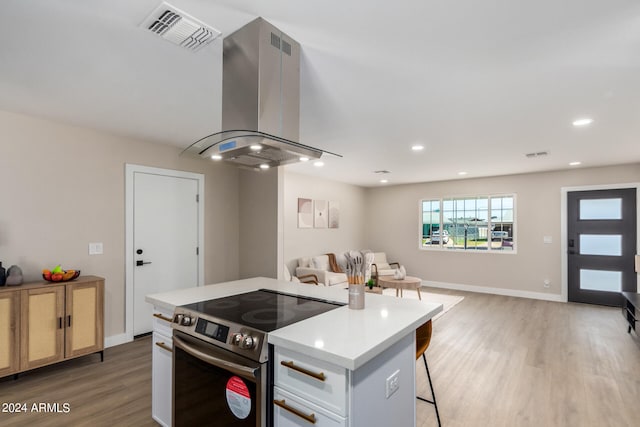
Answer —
(9, 333)
(42, 326)
(84, 318)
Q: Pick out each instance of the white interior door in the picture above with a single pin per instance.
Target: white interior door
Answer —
(165, 239)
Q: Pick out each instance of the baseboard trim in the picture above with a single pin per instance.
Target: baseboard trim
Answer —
(495, 291)
(114, 340)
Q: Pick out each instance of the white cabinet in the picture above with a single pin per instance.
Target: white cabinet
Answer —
(290, 410)
(310, 390)
(161, 369)
(314, 380)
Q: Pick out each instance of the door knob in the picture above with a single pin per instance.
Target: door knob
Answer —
(141, 262)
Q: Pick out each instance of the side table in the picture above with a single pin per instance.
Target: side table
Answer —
(408, 282)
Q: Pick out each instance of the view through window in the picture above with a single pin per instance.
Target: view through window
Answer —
(469, 223)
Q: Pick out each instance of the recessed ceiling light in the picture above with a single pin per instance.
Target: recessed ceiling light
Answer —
(384, 181)
(304, 159)
(318, 164)
(417, 147)
(462, 173)
(575, 163)
(582, 122)
(255, 147)
(264, 166)
(216, 157)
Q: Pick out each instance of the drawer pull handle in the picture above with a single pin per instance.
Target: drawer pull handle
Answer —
(164, 346)
(290, 365)
(165, 318)
(309, 418)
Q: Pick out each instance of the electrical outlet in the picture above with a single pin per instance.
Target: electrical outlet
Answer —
(547, 283)
(95, 248)
(393, 383)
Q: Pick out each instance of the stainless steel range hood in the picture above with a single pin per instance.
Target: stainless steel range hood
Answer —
(260, 101)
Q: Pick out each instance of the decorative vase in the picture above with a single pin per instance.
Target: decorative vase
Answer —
(356, 296)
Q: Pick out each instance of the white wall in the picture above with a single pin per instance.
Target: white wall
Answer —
(394, 214)
(300, 242)
(63, 187)
(259, 218)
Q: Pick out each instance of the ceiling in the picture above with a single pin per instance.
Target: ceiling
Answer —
(478, 84)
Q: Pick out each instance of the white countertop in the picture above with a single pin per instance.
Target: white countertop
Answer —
(345, 337)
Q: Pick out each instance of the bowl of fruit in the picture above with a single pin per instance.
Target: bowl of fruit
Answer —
(57, 274)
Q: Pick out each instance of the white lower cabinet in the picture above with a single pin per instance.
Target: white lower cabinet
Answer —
(161, 371)
(290, 410)
(308, 391)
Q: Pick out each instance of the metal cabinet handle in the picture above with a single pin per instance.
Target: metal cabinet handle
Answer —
(165, 318)
(69, 321)
(319, 376)
(163, 346)
(59, 322)
(309, 418)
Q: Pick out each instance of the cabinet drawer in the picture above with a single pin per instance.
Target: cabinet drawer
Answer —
(162, 321)
(314, 380)
(161, 379)
(298, 412)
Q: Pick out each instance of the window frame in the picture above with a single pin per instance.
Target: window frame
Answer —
(442, 248)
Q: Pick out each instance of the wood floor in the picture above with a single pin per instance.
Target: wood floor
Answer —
(116, 392)
(504, 361)
(494, 361)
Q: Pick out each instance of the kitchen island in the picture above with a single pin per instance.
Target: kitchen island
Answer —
(370, 352)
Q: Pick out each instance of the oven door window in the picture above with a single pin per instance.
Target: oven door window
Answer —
(209, 394)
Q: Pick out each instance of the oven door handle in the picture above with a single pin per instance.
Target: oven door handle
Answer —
(243, 371)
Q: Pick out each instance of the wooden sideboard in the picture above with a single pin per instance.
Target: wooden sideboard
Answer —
(43, 323)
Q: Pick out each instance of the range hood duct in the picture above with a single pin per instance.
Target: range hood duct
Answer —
(260, 101)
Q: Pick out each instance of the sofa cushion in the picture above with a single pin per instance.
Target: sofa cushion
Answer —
(335, 278)
(321, 262)
(305, 262)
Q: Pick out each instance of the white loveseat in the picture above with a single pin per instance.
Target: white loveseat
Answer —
(319, 265)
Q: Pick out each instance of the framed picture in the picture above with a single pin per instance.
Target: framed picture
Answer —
(334, 214)
(320, 219)
(305, 213)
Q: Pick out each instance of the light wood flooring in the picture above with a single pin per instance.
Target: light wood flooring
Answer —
(495, 361)
(504, 361)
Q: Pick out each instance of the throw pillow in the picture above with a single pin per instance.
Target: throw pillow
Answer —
(321, 262)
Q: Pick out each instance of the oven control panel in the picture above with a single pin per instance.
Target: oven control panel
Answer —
(212, 330)
(231, 336)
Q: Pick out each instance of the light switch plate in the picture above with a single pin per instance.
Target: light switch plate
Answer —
(95, 248)
(548, 239)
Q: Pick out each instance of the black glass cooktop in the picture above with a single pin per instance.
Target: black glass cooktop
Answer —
(263, 310)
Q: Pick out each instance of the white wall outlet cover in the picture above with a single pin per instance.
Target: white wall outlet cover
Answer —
(95, 248)
(392, 383)
(548, 239)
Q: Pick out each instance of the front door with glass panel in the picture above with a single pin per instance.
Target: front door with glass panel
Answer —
(601, 244)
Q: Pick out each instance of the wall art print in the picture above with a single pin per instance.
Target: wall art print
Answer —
(334, 214)
(320, 215)
(305, 213)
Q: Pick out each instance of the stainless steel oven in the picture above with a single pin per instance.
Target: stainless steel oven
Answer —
(222, 373)
(213, 386)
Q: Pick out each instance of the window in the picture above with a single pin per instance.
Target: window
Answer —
(469, 223)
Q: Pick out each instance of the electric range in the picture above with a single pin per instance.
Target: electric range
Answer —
(221, 365)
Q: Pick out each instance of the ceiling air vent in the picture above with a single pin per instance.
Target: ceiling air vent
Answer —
(179, 28)
(537, 154)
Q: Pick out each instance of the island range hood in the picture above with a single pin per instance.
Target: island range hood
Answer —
(260, 101)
